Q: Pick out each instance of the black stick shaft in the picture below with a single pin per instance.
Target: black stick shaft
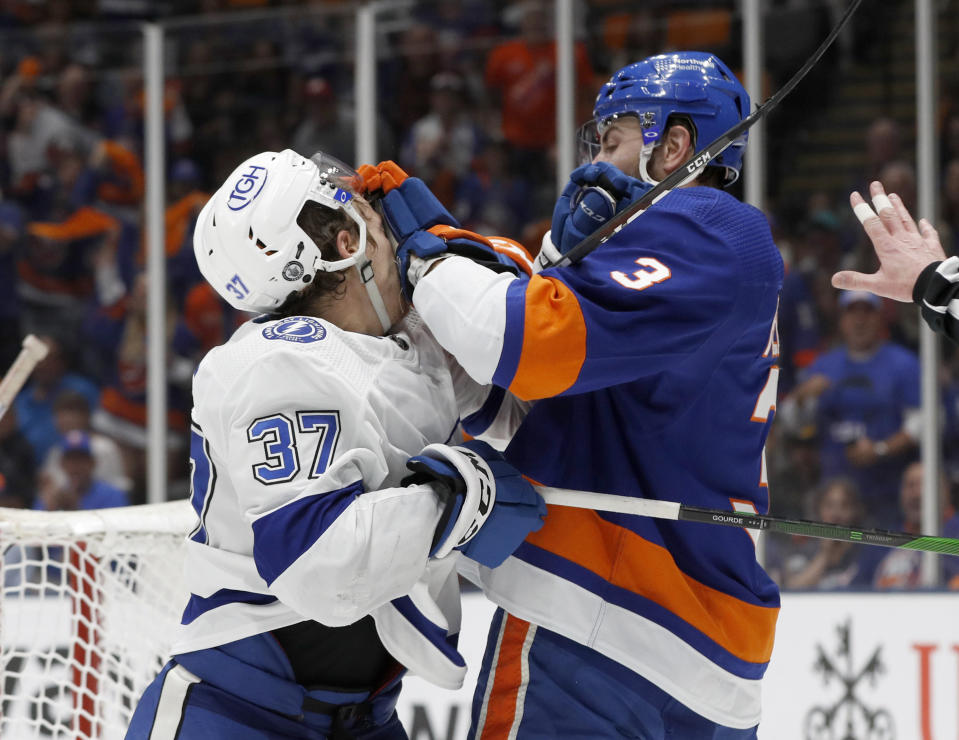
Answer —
(821, 530)
(674, 510)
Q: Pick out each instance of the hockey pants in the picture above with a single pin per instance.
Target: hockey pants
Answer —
(244, 690)
(535, 684)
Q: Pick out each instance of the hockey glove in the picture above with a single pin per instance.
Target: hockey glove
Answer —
(407, 204)
(384, 177)
(594, 194)
(490, 507)
(415, 254)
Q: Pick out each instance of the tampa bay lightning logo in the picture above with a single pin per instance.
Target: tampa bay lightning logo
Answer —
(296, 329)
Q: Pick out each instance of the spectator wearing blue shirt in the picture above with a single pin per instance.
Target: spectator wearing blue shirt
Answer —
(866, 397)
(77, 488)
(34, 404)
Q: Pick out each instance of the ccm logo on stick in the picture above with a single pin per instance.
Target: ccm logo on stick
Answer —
(240, 197)
(698, 162)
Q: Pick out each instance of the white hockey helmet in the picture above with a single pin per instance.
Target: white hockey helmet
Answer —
(248, 244)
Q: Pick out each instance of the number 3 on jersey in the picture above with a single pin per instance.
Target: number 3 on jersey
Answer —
(279, 437)
(654, 272)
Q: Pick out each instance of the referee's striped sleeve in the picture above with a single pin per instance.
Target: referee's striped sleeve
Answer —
(937, 293)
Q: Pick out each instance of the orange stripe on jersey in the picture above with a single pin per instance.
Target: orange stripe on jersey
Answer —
(627, 560)
(451, 232)
(515, 251)
(508, 679)
(554, 340)
(501, 244)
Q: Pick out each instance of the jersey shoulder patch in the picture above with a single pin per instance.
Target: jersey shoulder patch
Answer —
(298, 329)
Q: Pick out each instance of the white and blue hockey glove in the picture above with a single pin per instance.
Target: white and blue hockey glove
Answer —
(417, 252)
(490, 507)
(594, 194)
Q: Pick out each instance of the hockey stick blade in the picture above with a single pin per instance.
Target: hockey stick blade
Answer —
(744, 520)
(695, 164)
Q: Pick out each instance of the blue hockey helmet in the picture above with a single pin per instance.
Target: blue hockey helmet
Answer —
(693, 84)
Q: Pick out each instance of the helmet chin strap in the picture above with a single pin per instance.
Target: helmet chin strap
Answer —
(365, 270)
(644, 156)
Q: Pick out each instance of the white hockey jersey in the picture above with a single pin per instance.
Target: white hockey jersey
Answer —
(300, 436)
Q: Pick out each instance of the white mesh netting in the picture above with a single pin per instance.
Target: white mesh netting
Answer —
(88, 605)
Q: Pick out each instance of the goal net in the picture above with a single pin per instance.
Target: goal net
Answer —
(88, 604)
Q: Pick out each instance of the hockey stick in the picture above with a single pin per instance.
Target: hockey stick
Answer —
(33, 351)
(682, 512)
(695, 164)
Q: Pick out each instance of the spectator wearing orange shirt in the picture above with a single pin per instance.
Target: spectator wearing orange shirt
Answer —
(523, 72)
(114, 175)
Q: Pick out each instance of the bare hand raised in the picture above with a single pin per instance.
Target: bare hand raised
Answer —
(903, 247)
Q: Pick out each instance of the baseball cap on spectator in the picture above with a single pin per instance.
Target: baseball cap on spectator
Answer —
(76, 441)
(849, 297)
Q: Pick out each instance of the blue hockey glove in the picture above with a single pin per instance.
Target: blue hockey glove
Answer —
(442, 241)
(490, 507)
(595, 193)
(405, 202)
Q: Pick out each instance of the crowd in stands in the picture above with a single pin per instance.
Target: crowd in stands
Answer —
(466, 102)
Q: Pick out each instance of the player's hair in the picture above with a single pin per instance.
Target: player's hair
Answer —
(321, 224)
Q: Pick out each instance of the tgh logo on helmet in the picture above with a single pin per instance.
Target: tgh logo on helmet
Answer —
(240, 197)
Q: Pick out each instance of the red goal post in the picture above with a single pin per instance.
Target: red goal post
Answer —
(88, 604)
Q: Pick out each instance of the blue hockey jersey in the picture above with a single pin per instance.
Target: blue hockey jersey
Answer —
(654, 362)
